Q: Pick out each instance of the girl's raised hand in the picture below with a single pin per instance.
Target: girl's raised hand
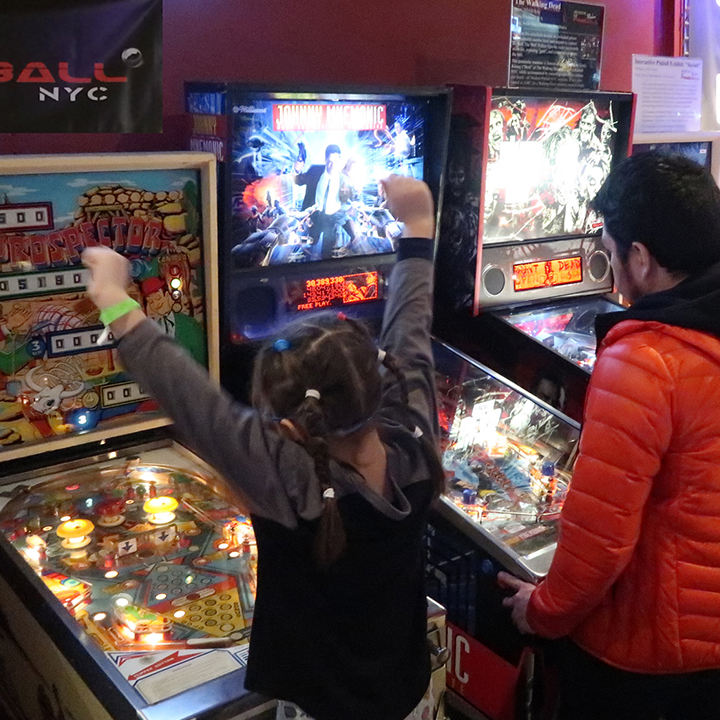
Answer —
(109, 276)
(411, 202)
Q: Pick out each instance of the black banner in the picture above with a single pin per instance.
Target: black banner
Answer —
(81, 66)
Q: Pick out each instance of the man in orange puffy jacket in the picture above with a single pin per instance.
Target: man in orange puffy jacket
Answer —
(635, 581)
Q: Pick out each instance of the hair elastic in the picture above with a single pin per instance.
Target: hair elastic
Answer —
(381, 356)
(312, 393)
(329, 494)
(281, 345)
(341, 316)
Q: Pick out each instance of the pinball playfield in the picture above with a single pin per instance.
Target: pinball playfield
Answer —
(151, 561)
(508, 461)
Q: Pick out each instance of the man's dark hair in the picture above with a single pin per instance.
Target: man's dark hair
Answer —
(330, 149)
(668, 203)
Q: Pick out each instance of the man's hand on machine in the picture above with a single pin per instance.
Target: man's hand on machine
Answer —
(518, 602)
(410, 202)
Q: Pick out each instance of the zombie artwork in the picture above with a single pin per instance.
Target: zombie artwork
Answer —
(546, 161)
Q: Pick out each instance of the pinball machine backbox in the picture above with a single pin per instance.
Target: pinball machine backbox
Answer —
(521, 265)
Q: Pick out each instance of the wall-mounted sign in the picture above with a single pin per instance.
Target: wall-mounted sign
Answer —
(555, 45)
(669, 93)
(81, 66)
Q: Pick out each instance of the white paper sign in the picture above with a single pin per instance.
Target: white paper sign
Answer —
(164, 673)
(669, 94)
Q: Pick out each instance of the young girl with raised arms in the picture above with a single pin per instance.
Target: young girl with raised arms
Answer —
(337, 462)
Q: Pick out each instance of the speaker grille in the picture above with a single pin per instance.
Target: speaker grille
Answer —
(494, 281)
(598, 266)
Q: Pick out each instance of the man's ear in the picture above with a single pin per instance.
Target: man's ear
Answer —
(291, 431)
(644, 262)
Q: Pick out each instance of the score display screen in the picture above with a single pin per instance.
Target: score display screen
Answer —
(326, 292)
(547, 273)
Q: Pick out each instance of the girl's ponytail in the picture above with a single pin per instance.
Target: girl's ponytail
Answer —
(330, 540)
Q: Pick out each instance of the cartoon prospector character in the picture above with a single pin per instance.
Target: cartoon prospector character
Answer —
(186, 330)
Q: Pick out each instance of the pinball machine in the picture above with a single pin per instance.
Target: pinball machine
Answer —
(508, 458)
(522, 271)
(127, 570)
(291, 246)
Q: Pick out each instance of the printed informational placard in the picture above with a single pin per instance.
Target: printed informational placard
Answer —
(555, 45)
(669, 93)
(76, 66)
(163, 674)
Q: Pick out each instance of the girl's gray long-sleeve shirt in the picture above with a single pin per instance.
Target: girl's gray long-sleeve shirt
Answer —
(349, 640)
(274, 475)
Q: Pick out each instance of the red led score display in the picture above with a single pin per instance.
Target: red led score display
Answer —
(337, 290)
(547, 273)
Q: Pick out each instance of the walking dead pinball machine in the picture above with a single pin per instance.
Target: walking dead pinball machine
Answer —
(127, 574)
(520, 245)
(508, 460)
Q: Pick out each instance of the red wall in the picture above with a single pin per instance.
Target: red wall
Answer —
(382, 42)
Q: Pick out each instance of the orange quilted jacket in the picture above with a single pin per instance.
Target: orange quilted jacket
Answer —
(635, 580)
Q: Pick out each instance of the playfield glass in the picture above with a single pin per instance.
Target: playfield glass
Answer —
(546, 160)
(305, 176)
(151, 561)
(507, 459)
(567, 328)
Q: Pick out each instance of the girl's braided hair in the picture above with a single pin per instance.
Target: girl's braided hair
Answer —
(337, 357)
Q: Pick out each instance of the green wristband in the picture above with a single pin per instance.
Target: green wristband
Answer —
(114, 312)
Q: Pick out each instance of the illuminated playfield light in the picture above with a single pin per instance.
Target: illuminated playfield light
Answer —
(65, 518)
(234, 553)
(112, 455)
(47, 528)
(110, 574)
(75, 533)
(160, 596)
(99, 617)
(176, 283)
(153, 638)
(179, 614)
(161, 510)
(223, 546)
(122, 601)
